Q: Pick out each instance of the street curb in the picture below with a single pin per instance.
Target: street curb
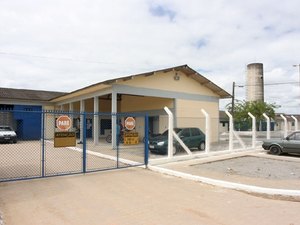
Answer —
(226, 184)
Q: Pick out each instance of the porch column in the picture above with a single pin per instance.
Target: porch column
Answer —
(113, 119)
(82, 108)
(175, 112)
(71, 107)
(96, 120)
(71, 115)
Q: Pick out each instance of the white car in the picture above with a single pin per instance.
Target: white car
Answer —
(7, 135)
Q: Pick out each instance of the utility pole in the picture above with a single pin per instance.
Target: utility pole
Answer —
(232, 99)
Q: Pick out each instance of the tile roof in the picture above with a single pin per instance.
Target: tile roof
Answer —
(25, 94)
(183, 68)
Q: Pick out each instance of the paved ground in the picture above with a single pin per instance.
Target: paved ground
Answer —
(136, 196)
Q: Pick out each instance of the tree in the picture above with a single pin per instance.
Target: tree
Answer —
(256, 108)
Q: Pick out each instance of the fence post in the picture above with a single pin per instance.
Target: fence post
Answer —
(268, 125)
(114, 122)
(253, 129)
(207, 131)
(82, 108)
(285, 125)
(230, 130)
(96, 121)
(43, 142)
(146, 159)
(84, 143)
(296, 123)
(170, 133)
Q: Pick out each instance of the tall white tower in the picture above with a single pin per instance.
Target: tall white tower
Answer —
(255, 82)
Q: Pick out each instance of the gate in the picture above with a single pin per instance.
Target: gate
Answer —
(70, 143)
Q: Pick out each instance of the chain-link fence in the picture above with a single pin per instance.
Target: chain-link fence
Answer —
(51, 143)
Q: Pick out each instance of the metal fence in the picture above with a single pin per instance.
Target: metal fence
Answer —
(186, 128)
(216, 139)
(53, 143)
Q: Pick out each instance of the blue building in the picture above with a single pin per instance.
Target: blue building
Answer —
(22, 110)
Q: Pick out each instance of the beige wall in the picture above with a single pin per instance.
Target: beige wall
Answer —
(189, 115)
(49, 126)
(193, 108)
(139, 103)
(104, 105)
(81, 92)
(165, 81)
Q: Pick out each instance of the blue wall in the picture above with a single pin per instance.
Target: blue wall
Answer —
(29, 121)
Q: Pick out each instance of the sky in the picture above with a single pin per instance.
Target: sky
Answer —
(64, 45)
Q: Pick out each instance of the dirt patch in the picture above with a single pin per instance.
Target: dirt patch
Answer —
(257, 167)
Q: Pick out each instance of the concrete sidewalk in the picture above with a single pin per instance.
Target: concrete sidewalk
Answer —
(136, 196)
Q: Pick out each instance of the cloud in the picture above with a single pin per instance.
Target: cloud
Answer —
(84, 42)
(162, 11)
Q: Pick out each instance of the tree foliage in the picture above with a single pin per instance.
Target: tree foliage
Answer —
(256, 108)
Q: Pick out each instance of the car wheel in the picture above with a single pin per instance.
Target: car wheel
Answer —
(275, 150)
(202, 146)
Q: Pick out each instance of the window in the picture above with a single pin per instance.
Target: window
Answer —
(195, 132)
(6, 107)
(185, 133)
(295, 137)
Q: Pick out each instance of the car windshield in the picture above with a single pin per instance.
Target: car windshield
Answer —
(177, 130)
(5, 129)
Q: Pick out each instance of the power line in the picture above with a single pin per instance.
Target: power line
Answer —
(267, 84)
(294, 82)
(54, 58)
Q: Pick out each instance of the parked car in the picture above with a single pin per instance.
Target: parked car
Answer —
(7, 135)
(192, 137)
(290, 144)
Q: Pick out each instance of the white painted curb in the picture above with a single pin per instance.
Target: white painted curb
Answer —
(226, 184)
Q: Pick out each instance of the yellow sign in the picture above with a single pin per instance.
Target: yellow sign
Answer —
(64, 139)
(131, 138)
